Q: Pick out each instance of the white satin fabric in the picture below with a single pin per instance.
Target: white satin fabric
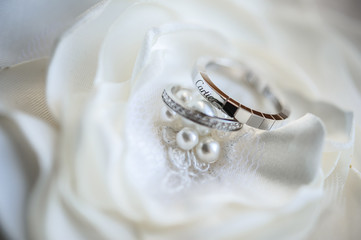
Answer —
(81, 153)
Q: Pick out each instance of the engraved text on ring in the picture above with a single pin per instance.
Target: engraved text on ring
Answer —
(205, 93)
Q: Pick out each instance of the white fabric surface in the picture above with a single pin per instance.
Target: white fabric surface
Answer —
(29, 28)
(80, 148)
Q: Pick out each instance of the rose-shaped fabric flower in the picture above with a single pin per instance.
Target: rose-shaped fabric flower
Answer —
(81, 145)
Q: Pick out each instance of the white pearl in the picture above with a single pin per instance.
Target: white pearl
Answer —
(204, 107)
(208, 150)
(184, 95)
(167, 114)
(187, 138)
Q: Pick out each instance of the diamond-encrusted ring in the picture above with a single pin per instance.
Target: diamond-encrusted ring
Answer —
(231, 107)
(172, 101)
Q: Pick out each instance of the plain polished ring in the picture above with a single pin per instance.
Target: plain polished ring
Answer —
(198, 117)
(231, 107)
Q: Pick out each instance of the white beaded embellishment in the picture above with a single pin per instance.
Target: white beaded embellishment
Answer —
(190, 147)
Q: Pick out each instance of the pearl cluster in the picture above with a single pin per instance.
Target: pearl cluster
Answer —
(193, 135)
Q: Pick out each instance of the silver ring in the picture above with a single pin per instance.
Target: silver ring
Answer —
(231, 107)
(198, 117)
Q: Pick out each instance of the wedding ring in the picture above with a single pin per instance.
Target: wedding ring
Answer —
(231, 107)
(196, 116)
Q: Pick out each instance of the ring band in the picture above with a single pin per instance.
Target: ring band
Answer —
(172, 102)
(231, 107)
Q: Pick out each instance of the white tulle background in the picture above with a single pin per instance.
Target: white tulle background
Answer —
(80, 149)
